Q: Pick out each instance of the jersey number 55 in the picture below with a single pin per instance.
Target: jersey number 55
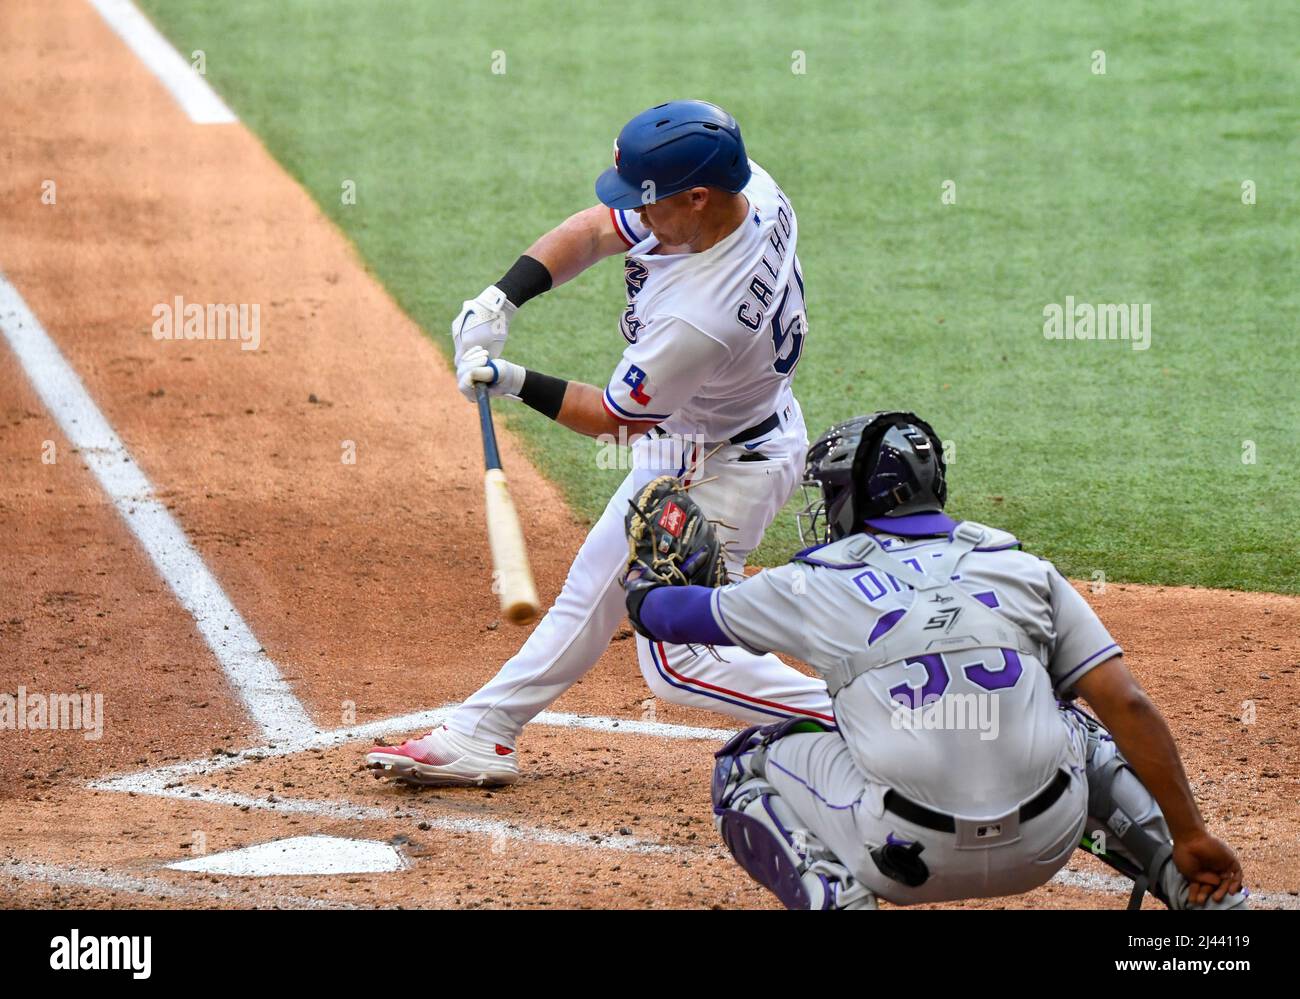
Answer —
(787, 334)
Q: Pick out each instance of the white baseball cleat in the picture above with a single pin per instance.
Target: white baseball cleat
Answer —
(444, 758)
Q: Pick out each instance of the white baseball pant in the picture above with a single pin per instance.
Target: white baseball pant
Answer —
(747, 496)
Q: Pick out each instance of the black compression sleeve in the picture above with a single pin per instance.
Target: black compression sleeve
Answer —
(544, 393)
(527, 278)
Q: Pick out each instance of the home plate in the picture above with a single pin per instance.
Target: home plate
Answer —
(300, 855)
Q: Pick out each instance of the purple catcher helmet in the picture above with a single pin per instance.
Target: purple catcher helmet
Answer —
(885, 470)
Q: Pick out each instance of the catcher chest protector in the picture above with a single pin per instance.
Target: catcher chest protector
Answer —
(942, 618)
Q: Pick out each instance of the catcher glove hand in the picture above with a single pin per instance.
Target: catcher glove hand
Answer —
(670, 543)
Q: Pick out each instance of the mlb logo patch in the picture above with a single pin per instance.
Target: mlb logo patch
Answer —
(673, 519)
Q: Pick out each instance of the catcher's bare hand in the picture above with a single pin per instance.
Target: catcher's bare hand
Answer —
(1210, 867)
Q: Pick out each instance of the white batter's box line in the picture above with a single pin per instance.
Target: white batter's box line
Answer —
(190, 90)
(497, 829)
(255, 679)
(169, 781)
(160, 778)
(66, 875)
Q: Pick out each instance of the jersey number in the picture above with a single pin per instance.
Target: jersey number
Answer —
(937, 678)
(787, 337)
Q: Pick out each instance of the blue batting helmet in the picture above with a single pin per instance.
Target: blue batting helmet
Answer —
(672, 148)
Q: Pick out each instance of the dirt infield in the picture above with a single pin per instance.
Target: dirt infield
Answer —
(366, 582)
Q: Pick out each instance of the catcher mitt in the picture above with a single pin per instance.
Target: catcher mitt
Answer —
(670, 543)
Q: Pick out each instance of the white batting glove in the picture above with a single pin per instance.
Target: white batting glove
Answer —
(483, 322)
(501, 377)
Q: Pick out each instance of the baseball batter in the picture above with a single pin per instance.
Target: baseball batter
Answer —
(955, 771)
(714, 325)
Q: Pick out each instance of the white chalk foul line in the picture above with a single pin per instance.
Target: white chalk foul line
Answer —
(1108, 884)
(257, 681)
(198, 100)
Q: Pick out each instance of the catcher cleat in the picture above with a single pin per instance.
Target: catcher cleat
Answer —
(444, 758)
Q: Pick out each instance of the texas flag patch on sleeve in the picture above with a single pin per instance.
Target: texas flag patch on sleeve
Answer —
(635, 380)
(628, 396)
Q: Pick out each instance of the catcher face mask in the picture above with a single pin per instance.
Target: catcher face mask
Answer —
(811, 521)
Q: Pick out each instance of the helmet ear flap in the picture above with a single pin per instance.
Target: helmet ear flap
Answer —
(841, 515)
(940, 465)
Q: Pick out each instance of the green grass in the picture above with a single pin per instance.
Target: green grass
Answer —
(1123, 187)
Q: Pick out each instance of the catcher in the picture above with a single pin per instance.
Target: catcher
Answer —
(925, 630)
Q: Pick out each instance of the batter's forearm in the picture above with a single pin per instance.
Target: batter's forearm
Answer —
(583, 410)
(576, 243)
(575, 405)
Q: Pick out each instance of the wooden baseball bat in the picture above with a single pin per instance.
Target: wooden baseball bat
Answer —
(512, 578)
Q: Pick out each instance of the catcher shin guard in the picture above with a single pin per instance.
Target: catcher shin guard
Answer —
(1127, 829)
(764, 835)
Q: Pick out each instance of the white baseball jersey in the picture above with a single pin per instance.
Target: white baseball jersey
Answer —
(713, 337)
(1006, 741)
